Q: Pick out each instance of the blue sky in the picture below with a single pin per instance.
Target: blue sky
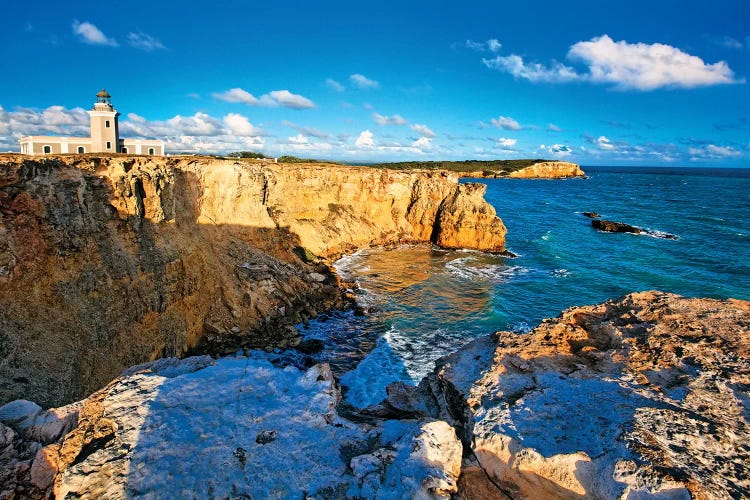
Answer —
(598, 83)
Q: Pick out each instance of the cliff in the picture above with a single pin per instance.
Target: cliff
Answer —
(539, 170)
(106, 262)
(645, 396)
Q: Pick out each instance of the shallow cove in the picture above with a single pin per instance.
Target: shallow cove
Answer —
(423, 302)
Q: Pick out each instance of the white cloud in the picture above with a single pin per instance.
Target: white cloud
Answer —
(288, 100)
(362, 82)
(240, 125)
(554, 128)
(626, 66)
(272, 99)
(534, 72)
(310, 131)
(605, 144)
(300, 142)
(558, 150)
(200, 133)
(491, 45)
(422, 130)
(365, 140)
(506, 123)
(389, 120)
(713, 152)
(144, 41)
(503, 141)
(88, 33)
(646, 66)
(422, 143)
(334, 85)
(237, 95)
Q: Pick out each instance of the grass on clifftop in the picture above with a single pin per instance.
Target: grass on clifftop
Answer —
(505, 166)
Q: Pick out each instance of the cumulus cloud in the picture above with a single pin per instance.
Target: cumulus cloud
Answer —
(506, 123)
(197, 133)
(623, 65)
(713, 152)
(365, 140)
(240, 125)
(389, 120)
(144, 41)
(301, 142)
(422, 130)
(362, 82)
(274, 98)
(506, 142)
(89, 33)
(558, 150)
(334, 85)
(422, 143)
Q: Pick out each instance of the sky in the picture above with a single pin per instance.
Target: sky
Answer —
(653, 83)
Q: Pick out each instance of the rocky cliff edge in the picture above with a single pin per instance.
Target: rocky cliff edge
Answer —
(646, 396)
(110, 261)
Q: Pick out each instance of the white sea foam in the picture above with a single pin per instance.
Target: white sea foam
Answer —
(496, 273)
(560, 273)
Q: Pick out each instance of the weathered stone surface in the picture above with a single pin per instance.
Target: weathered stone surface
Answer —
(106, 262)
(642, 396)
(465, 220)
(549, 170)
(234, 427)
(591, 215)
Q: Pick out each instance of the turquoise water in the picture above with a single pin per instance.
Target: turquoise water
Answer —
(425, 302)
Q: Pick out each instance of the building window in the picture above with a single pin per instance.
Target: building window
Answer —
(150, 151)
(106, 123)
(124, 150)
(47, 149)
(109, 145)
(81, 149)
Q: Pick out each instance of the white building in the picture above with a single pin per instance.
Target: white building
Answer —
(105, 136)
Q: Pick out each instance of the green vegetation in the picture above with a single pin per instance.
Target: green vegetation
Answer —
(488, 166)
(247, 154)
(294, 159)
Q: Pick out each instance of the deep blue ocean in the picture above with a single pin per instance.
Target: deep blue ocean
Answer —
(423, 302)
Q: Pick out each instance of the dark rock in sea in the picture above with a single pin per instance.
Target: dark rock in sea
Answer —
(310, 346)
(615, 227)
(591, 215)
(266, 437)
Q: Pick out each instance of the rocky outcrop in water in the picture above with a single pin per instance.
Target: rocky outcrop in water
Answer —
(106, 262)
(644, 396)
(549, 170)
(609, 226)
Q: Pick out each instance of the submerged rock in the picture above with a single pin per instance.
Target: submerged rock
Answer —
(591, 215)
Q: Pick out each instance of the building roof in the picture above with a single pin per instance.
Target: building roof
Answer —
(103, 93)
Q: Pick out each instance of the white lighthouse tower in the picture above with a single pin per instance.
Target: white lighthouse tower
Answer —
(105, 132)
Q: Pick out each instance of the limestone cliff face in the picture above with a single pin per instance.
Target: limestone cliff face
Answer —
(549, 170)
(110, 261)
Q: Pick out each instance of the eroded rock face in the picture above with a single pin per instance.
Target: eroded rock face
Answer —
(106, 262)
(646, 395)
(237, 427)
(549, 170)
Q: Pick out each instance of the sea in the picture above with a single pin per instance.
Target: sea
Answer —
(423, 302)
